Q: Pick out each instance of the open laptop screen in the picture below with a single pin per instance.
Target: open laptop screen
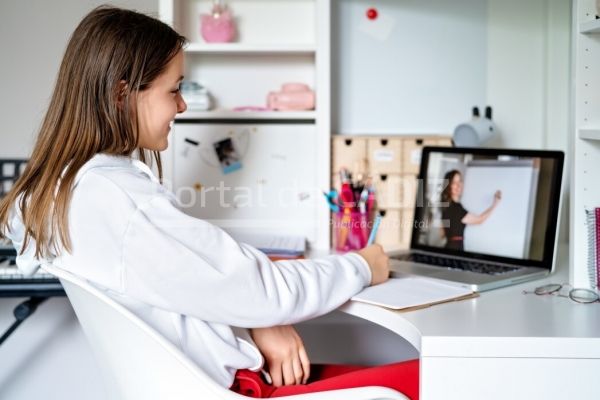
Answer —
(493, 204)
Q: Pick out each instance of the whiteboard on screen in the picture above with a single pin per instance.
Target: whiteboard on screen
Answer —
(507, 231)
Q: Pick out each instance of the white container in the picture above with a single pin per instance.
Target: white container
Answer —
(474, 133)
(195, 96)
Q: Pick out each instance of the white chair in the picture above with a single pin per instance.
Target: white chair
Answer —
(137, 363)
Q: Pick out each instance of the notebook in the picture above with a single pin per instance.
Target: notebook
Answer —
(593, 264)
(484, 218)
(417, 292)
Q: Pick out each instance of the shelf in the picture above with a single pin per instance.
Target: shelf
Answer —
(243, 48)
(248, 115)
(592, 26)
(589, 134)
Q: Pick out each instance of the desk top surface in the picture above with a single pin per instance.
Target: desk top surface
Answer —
(500, 323)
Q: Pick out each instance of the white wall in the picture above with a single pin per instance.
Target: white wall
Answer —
(33, 37)
(528, 55)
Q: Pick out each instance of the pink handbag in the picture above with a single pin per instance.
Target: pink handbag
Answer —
(218, 26)
(293, 96)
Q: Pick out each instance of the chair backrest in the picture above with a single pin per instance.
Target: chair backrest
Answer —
(137, 363)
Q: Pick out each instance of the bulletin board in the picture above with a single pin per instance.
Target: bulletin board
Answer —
(417, 68)
(274, 188)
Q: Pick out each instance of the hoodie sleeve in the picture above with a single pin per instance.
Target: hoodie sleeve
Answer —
(187, 265)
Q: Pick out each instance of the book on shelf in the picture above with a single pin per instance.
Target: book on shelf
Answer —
(410, 292)
(277, 247)
(593, 249)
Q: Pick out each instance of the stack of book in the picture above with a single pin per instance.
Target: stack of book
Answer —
(277, 247)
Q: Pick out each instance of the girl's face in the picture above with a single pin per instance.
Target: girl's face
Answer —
(456, 187)
(158, 105)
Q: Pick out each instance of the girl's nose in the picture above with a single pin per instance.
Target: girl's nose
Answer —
(181, 106)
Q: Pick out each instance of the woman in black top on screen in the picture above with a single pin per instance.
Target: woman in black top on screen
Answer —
(454, 215)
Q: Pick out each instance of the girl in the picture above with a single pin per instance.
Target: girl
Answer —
(86, 205)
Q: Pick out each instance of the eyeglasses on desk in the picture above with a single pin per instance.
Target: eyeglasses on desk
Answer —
(579, 295)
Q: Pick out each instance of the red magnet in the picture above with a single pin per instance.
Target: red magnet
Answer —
(372, 13)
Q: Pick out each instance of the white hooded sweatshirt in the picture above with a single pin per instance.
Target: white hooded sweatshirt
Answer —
(186, 278)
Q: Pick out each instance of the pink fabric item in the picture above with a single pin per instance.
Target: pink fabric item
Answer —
(293, 96)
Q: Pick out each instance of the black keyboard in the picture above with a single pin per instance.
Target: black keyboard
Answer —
(480, 267)
(13, 283)
(6, 250)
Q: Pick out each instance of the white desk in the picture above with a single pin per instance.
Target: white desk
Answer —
(502, 345)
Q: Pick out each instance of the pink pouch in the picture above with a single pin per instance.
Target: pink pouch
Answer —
(218, 27)
(293, 96)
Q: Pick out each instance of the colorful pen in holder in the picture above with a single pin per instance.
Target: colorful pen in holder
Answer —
(353, 212)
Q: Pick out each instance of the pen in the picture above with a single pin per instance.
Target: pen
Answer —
(345, 227)
(370, 199)
(362, 202)
(347, 195)
(331, 200)
(374, 230)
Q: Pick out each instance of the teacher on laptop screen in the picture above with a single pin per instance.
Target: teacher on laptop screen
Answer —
(455, 216)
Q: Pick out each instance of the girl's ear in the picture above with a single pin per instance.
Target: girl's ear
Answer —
(122, 90)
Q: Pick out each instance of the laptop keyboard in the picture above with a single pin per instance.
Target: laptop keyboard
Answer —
(480, 267)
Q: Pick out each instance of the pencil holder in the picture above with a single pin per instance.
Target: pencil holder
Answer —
(350, 230)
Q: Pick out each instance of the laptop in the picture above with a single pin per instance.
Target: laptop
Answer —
(484, 218)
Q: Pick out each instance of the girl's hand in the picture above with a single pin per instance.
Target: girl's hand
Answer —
(378, 261)
(284, 353)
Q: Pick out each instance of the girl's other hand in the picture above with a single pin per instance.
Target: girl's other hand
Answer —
(284, 354)
(378, 261)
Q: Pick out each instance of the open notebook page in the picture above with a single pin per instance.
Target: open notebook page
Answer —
(410, 291)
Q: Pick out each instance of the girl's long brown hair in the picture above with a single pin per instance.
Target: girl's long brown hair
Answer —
(111, 56)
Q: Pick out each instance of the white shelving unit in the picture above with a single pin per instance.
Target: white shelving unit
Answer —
(278, 41)
(589, 134)
(585, 186)
(592, 26)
